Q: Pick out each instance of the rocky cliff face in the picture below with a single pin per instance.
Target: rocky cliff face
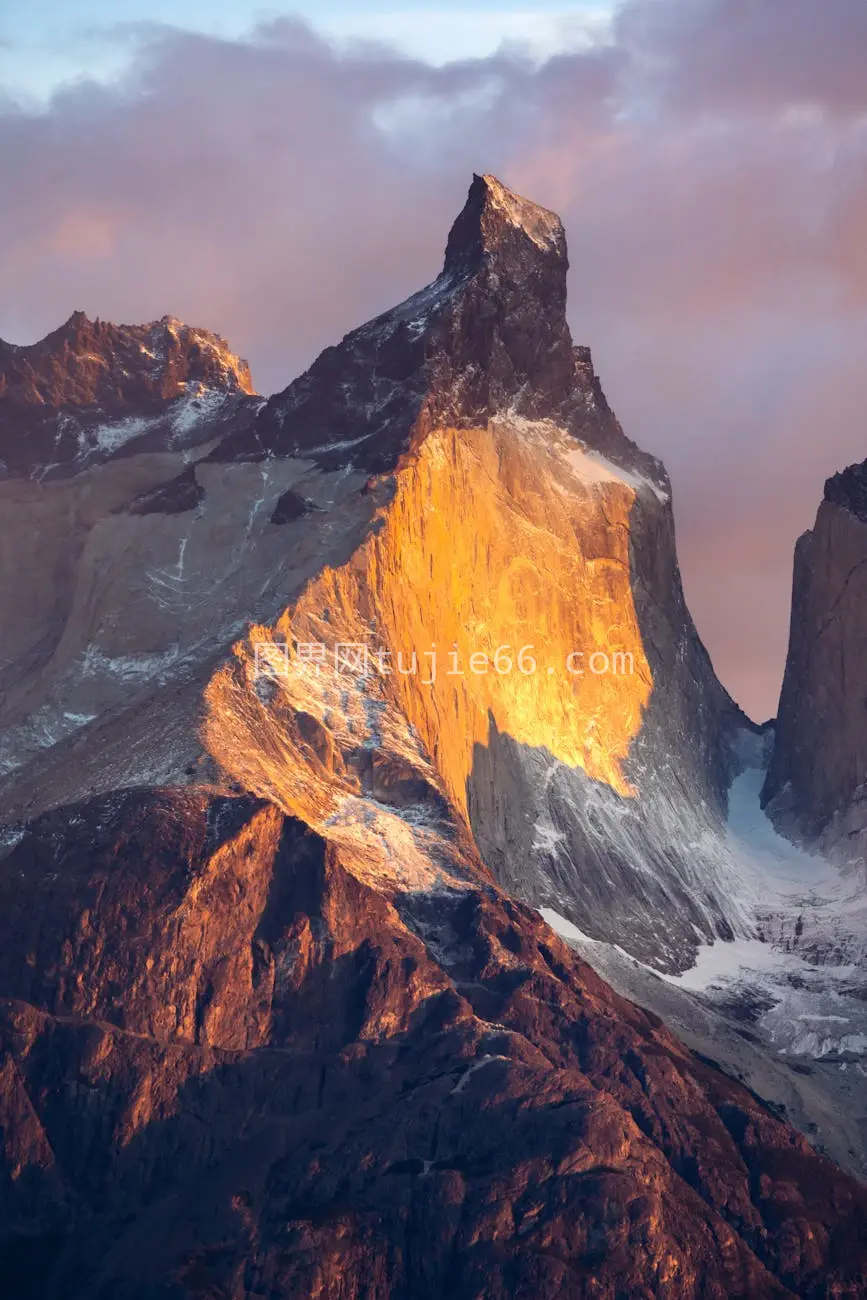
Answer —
(128, 564)
(817, 781)
(229, 1065)
(520, 519)
(87, 363)
(509, 522)
(298, 696)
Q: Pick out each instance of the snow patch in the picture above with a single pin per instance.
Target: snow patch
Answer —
(806, 963)
(593, 469)
(800, 977)
(9, 837)
(546, 837)
(110, 437)
(128, 668)
(196, 406)
(474, 1069)
(560, 925)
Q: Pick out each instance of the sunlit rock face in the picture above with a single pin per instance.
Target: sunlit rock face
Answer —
(526, 553)
(86, 362)
(817, 781)
(478, 583)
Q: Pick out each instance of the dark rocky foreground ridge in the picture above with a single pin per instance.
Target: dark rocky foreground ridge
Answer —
(273, 1022)
(232, 1069)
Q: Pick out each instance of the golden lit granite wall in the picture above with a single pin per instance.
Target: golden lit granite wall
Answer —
(509, 535)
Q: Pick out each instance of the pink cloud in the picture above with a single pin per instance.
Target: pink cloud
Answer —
(745, 56)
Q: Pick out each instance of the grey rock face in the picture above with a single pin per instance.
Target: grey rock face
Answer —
(651, 872)
(817, 781)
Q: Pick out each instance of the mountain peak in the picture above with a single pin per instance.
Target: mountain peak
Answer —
(88, 362)
(488, 336)
(495, 220)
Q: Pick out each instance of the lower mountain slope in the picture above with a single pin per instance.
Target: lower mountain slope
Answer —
(232, 1065)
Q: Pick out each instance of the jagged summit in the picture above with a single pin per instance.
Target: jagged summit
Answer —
(493, 216)
(815, 788)
(487, 337)
(849, 490)
(90, 390)
(88, 362)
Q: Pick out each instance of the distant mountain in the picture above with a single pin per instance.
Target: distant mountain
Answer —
(90, 388)
(306, 705)
(817, 781)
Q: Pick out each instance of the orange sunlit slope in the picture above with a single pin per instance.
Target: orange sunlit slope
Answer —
(504, 536)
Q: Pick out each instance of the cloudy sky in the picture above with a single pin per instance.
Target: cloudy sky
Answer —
(282, 174)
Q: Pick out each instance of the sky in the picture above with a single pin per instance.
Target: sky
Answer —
(46, 42)
(280, 175)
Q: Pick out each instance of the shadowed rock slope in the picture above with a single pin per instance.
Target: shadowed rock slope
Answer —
(817, 782)
(231, 1067)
